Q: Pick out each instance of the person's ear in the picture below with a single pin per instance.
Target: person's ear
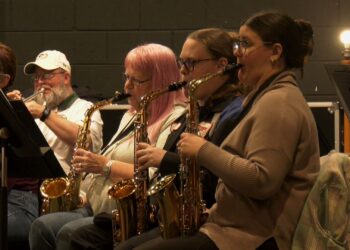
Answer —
(222, 62)
(277, 50)
(67, 78)
(4, 81)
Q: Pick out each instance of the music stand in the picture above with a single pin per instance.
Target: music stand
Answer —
(24, 149)
(339, 74)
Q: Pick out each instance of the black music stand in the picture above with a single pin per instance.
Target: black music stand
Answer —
(339, 74)
(24, 149)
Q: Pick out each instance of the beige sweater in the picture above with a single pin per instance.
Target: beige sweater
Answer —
(267, 168)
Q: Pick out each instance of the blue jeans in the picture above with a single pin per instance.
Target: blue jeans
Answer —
(23, 208)
(53, 231)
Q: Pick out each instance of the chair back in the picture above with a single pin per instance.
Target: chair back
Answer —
(324, 221)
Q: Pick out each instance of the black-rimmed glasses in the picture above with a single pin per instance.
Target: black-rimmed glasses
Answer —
(46, 76)
(242, 45)
(134, 80)
(190, 63)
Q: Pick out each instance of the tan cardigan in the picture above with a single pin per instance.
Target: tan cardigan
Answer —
(267, 168)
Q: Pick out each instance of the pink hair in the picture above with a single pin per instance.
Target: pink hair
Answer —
(160, 61)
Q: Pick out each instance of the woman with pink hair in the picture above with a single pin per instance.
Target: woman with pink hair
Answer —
(147, 67)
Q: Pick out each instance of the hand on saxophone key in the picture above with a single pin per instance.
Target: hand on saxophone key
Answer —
(189, 144)
(149, 156)
(86, 161)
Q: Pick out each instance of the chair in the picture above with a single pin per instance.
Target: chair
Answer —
(324, 221)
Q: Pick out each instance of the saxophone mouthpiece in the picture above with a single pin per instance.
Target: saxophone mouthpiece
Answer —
(231, 68)
(176, 86)
(119, 97)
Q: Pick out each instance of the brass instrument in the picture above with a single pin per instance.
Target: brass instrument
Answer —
(133, 212)
(124, 220)
(31, 97)
(62, 194)
(168, 199)
(180, 211)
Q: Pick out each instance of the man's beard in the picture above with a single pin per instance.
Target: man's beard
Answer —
(54, 98)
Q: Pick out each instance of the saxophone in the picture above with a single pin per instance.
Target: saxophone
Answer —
(181, 211)
(134, 214)
(62, 194)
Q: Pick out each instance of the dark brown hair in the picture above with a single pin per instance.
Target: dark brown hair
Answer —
(219, 44)
(276, 27)
(217, 41)
(7, 62)
(308, 36)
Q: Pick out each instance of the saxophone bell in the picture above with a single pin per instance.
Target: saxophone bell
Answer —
(167, 196)
(124, 217)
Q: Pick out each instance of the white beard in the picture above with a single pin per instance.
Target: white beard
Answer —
(54, 98)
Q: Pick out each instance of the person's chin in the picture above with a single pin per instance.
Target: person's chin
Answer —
(133, 102)
(241, 75)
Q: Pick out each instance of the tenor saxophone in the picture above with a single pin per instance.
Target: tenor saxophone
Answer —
(134, 214)
(62, 194)
(181, 210)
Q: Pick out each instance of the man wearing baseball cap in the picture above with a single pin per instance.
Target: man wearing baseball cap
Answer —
(58, 112)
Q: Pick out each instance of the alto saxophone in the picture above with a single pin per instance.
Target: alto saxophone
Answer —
(62, 194)
(133, 214)
(180, 211)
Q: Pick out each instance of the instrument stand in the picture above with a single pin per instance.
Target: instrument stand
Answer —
(25, 150)
(3, 198)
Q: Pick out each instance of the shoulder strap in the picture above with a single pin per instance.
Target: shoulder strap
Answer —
(125, 131)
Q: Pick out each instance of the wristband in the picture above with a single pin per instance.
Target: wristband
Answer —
(106, 170)
(45, 114)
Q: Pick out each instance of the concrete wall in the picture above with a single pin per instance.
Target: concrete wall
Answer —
(96, 35)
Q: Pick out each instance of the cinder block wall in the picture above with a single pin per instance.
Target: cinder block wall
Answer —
(96, 35)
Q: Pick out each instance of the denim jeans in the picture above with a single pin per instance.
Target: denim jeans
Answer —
(22, 211)
(53, 231)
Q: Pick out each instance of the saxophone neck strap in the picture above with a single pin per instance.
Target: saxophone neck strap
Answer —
(124, 132)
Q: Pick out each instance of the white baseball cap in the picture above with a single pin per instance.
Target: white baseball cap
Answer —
(48, 60)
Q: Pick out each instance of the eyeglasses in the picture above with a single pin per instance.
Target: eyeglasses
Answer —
(46, 76)
(134, 80)
(242, 45)
(190, 63)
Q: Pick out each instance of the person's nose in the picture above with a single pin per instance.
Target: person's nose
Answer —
(128, 84)
(39, 83)
(237, 52)
(183, 70)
